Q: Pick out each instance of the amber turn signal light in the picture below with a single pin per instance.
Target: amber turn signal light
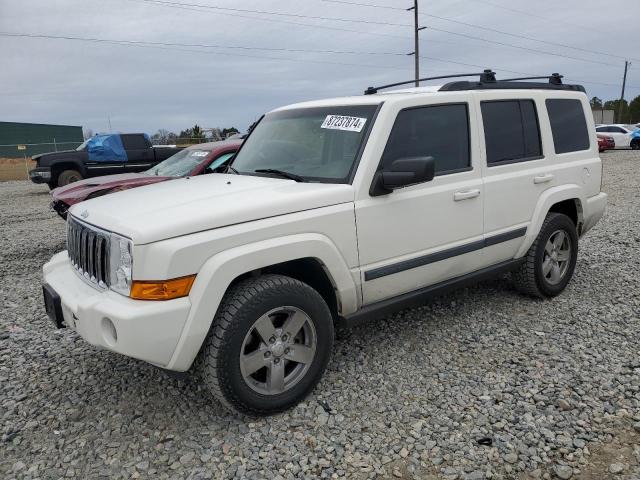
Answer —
(162, 290)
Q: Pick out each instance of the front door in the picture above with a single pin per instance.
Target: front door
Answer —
(427, 233)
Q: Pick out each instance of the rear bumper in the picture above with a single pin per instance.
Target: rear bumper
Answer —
(593, 211)
(40, 175)
(144, 330)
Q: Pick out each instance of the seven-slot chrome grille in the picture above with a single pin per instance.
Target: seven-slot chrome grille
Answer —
(88, 249)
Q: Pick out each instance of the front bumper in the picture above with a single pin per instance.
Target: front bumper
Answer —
(60, 208)
(40, 175)
(145, 330)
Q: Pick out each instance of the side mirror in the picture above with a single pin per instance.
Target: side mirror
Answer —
(402, 173)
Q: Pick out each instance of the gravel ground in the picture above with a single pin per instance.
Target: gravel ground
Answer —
(482, 383)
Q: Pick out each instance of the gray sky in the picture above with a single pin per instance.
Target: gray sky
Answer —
(144, 88)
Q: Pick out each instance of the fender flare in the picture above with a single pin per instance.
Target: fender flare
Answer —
(77, 164)
(547, 199)
(220, 270)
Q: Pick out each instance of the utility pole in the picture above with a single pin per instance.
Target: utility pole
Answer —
(416, 29)
(624, 84)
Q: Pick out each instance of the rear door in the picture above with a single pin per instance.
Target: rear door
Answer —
(516, 169)
(139, 152)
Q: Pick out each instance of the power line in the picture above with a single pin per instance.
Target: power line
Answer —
(183, 47)
(290, 22)
(169, 3)
(518, 47)
(201, 45)
(139, 43)
(489, 29)
(528, 14)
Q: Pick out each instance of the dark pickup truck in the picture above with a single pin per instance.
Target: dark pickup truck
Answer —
(97, 156)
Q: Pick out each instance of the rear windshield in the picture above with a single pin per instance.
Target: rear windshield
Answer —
(318, 144)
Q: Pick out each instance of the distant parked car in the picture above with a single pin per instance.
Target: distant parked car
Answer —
(622, 134)
(97, 156)
(635, 139)
(194, 160)
(605, 142)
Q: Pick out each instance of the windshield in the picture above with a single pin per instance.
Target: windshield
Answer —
(83, 145)
(180, 164)
(318, 144)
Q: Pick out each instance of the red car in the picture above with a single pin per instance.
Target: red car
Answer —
(194, 160)
(605, 142)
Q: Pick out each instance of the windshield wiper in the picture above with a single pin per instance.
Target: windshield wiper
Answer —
(282, 173)
(231, 169)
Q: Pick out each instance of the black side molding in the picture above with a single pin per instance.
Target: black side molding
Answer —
(443, 254)
(419, 297)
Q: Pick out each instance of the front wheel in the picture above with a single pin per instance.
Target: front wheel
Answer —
(635, 145)
(68, 176)
(269, 344)
(551, 260)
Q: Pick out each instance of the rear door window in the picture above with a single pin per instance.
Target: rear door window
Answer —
(511, 131)
(134, 142)
(568, 125)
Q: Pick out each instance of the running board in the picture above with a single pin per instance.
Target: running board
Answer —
(419, 297)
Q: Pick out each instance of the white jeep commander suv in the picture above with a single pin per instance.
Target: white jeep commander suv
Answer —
(332, 212)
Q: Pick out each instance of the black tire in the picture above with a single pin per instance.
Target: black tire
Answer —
(530, 278)
(68, 176)
(241, 308)
(635, 145)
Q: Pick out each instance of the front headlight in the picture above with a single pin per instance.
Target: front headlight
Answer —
(121, 264)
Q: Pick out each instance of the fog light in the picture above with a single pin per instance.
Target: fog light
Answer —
(109, 332)
(162, 290)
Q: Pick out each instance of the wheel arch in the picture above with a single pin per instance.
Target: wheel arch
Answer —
(60, 166)
(565, 199)
(310, 258)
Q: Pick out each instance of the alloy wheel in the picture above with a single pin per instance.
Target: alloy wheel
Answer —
(556, 257)
(278, 350)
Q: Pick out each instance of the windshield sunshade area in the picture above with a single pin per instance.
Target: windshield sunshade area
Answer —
(317, 144)
(180, 164)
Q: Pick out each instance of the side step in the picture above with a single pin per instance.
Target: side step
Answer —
(419, 297)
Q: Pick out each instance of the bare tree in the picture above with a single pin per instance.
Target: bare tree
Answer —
(87, 133)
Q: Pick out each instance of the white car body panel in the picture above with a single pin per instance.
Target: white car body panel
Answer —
(206, 202)
(621, 134)
(223, 226)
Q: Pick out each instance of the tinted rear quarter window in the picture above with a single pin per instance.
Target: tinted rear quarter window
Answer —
(438, 131)
(511, 131)
(134, 142)
(568, 125)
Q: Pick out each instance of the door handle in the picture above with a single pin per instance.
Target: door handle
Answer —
(543, 178)
(466, 194)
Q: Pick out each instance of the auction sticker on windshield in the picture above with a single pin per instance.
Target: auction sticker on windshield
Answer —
(343, 122)
(199, 153)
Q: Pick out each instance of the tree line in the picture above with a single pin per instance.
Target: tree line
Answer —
(629, 113)
(195, 134)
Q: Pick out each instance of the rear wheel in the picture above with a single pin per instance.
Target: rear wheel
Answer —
(269, 344)
(68, 176)
(551, 260)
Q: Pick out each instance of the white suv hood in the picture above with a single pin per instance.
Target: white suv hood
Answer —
(187, 205)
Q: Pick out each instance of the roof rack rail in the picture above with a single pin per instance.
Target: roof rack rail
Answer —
(554, 78)
(487, 76)
(487, 81)
(554, 83)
